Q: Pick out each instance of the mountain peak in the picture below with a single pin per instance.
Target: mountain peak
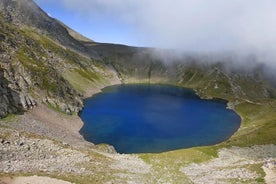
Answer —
(27, 13)
(21, 12)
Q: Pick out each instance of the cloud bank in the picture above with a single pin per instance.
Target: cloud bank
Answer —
(191, 25)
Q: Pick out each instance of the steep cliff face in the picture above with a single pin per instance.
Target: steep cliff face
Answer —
(9, 99)
(28, 75)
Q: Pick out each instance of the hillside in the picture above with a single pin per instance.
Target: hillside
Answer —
(40, 61)
(46, 71)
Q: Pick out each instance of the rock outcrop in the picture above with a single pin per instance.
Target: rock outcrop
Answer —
(9, 99)
(32, 61)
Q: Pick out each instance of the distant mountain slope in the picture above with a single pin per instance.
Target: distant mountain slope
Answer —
(211, 75)
(75, 34)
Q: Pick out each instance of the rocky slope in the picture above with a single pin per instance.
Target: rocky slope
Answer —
(26, 73)
(9, 98)
(27, 13)
(41, 61)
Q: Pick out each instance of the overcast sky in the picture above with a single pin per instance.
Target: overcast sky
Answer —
(191, 25)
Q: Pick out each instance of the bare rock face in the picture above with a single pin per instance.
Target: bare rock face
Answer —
(9, 99)
(14, 96)
(31, 66)
(22, 89)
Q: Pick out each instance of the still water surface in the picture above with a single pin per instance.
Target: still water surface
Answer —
(155, 118)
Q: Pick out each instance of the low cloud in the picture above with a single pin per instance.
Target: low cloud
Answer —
(191, 25)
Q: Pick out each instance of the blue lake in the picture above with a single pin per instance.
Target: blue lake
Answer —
(155, 118)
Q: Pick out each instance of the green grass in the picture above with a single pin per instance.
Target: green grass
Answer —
(29, 61)
(258, 124)
(9, 118)
(167, 165)
(257, 168)
(77, 69)
(41, 73)
(184, 156)
(92, 76)
(78, 82)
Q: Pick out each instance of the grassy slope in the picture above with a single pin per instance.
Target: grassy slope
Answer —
(76, 69)
(258, 124)
(50, 69)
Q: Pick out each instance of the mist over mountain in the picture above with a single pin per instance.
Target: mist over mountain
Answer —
(240, 34)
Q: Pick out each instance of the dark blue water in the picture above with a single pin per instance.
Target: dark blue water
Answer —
(155, 118)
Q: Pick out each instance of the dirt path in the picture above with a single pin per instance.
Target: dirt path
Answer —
(233, 165)
(52, 124)
(31, 180)
(270, 175)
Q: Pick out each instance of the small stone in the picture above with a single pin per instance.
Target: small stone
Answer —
(65, 144)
